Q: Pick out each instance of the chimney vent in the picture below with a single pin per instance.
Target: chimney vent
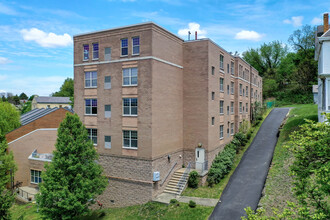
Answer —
(325, 22)
(195, 35)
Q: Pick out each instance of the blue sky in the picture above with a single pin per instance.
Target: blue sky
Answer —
(36, 50)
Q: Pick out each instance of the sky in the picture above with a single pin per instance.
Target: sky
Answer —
(36, 48)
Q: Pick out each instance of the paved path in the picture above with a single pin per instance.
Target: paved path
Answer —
(166, 198)
(245, 185)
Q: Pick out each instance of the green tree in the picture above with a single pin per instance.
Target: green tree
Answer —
(73, 179)
(26, 107)
(7, 168)
(23, 96)
(66, 89)
(266, 58)
(9, 119)
(303, 39)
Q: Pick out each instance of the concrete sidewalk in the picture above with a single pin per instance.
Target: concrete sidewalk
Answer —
(166, 198)
(246, 184)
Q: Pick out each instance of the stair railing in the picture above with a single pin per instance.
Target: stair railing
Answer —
(184, 178)
(168, 174)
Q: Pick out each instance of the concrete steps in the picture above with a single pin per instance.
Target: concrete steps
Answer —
(177, 182)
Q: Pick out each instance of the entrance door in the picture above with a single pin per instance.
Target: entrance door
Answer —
(200, 158)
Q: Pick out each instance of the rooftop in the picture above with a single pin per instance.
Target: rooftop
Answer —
(47, 99)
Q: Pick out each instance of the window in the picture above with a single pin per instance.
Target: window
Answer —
(240, 89)
(221, 84)
(227, 109)
(107, 111)
(91, 106)
(240, 107)
(212, 70)
(213, 95)
(48, 106)
(36, 176)
(130, 106)
(92, 135)
(130, 76)
(232, 87)
(240, 70)
(232, 68)
(247, 107)
(221, 62)
(107, 142)
(221, 107)
(221, 131)
(124, 47)
(107, 53)
(232, 107)
(130, 139)
(243, 92)
(227, 67)
(228, 129)
(95, 51)
(136, 45)
(90, 79)
(247, 91)
(86, 52)
(232, 128)
(107, 82)
(228, 89)
(251, 93)
(212, 120)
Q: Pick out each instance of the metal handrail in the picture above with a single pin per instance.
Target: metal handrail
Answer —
(22, 192)
(163, 181)
(183, 180)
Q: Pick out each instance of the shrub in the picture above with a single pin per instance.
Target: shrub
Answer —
(173, 201)
(193, 179)
(245, 126)
(192, 204)
(241, 137)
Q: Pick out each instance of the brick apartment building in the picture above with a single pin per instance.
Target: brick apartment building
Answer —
(153, 102)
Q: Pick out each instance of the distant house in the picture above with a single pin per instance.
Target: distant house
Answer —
(315, 93)
(322, 55)
(50, 102)
(33, 143)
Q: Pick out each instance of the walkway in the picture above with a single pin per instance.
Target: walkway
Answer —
(166, 198)
(246, 184)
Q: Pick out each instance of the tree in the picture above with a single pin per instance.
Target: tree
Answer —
(266, 58)
(66, 89)
(26, 107)
(23, 96)
(303, 39)
(9, 118)
(7, 168)
(73, 179)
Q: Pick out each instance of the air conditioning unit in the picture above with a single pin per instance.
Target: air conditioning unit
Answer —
(156, 176)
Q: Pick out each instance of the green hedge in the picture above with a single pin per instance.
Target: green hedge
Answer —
(193, 179)
(224, 161)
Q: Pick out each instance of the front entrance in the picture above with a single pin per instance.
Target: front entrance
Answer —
(200, 158)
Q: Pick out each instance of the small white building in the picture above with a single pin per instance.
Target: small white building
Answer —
(322, 55)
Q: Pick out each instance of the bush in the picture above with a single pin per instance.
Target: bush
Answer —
(192, 204)
(241, 137)
(193, 179)
(173, 201)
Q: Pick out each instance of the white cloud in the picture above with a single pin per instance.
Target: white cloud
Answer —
(249, 35)
(295, 21)
(3, 77)
(6, 10)
(46, 39)
(4, 60)
(192, 27)
(316, 21)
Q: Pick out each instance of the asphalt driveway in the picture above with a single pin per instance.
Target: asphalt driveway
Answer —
(245, 185)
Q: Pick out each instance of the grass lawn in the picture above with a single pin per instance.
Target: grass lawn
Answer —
(150, 210)
(215, 191)
(279, 182)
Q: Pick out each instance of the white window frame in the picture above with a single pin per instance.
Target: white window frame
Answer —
(247, 108)
(91, 107)
(221, 132)
(221, 107)
(247, 91)
(90, 79)
(240, 107)
(232, 128)
(130, 76)
(32, 180)
(130, 140)
(130, 107)
(240, 89)
(231, 107)
(84, 52)
(221, 82)
(232, 86)
(121, 47)
(135, 46)
(96, 51)
(107, 85)
(221, 62)
(107, 57)
(107, 114)
(232, 68)
(91, 136)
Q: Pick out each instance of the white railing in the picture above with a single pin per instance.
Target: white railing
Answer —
(184, 178)
(38, 156)
(25, 195)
